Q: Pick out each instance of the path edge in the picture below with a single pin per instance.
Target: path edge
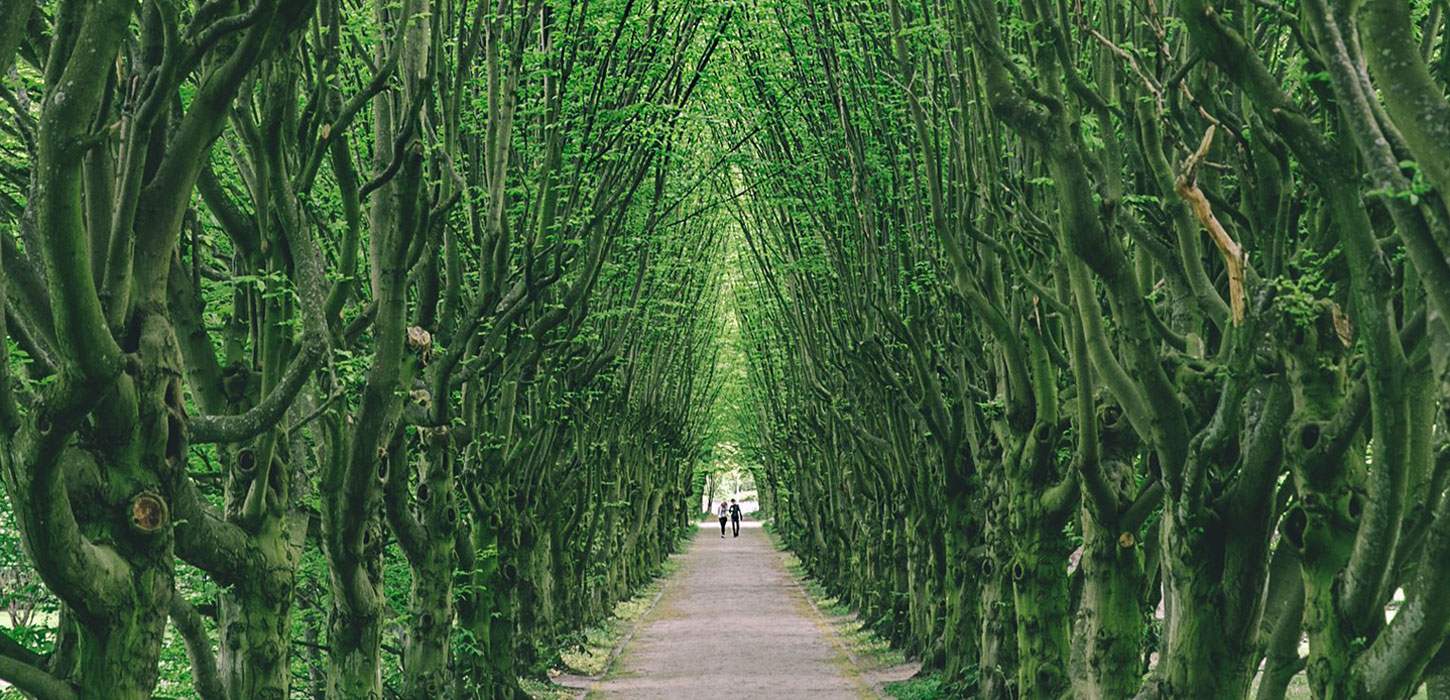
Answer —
(623, 642)
(877, 687)
(591, 682)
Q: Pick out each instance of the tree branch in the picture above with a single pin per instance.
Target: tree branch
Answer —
(264, 415)
(15, 650)
(34, 681)
(204, 675)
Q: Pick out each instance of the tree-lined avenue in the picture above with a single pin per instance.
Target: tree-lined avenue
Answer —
(375, 349)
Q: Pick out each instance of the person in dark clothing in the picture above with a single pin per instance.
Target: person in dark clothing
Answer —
(734, 517)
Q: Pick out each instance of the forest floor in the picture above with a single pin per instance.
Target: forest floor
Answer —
(733, 621)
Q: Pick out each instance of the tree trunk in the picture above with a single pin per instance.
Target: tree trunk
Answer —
(1197, 656)
(1039, 586)
(962, 632)
(1110, 616)
(255, 622)
(353, 666)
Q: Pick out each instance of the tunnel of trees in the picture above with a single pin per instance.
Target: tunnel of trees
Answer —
(362, 349)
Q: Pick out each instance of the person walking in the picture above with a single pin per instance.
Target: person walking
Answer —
(724, 516)
(734, 518)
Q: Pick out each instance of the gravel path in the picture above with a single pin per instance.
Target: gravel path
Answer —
(732, 623)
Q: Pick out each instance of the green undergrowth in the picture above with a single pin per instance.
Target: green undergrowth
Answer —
(540, 690)
(589, 653)
(871, 651)
(1299, 689)
(926, 687)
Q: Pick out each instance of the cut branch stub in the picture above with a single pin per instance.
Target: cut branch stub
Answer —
(1309, 435)
(1110, 417)
(1342, 326)
(149, 514)
(1186, 187)
(421, 341)
(246, 462)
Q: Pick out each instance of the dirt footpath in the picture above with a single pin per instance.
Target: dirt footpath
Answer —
(732, 623)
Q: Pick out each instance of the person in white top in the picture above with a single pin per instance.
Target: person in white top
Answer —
(724, 517)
